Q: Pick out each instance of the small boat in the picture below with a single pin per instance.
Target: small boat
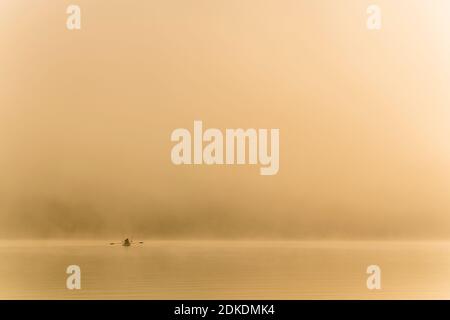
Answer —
(127, 242)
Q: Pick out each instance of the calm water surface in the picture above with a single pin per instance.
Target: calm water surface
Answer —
(224, 270)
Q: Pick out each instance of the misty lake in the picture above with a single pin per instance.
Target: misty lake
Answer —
(224, 270)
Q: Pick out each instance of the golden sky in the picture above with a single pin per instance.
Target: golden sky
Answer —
(86, 118)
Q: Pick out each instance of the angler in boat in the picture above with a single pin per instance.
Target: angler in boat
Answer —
(126, 243)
